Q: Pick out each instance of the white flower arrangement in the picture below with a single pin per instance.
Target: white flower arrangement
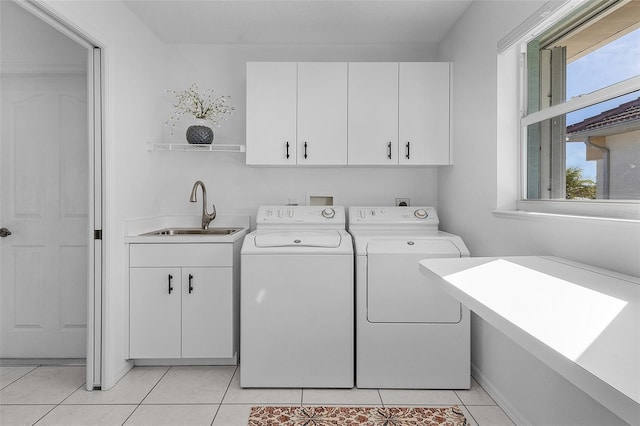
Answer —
(205, 107)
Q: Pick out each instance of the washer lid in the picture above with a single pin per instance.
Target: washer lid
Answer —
(328, 239)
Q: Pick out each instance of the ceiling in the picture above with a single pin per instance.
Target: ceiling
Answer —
(299, 21)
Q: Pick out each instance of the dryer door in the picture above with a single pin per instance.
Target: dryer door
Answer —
(397, 292)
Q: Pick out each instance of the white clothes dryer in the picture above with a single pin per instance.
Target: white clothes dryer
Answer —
(297, 299)
(409, 333)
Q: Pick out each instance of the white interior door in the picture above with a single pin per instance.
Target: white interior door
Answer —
(44, 181)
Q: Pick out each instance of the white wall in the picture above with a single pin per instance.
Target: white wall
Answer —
(139, 183)
(23, 51)
(624, 172)
(235, 187)
(483, 178)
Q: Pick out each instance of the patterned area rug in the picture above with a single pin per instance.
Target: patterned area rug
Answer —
(351, 416)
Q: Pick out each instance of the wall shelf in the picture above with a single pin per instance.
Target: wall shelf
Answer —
(214, 147)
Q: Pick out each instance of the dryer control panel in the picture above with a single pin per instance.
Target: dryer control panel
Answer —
(393, 217)
(301, 217)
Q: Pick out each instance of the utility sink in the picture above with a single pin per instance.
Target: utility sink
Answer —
(194, 231)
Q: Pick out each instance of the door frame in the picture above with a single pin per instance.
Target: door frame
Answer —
(95, 136)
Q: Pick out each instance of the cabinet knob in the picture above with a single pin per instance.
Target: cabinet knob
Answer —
(287, 152)
(170, 277)
(190, 283)
(389, 150)
(305, 150)
(408, 155)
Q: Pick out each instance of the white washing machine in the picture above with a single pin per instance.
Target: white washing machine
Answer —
(409, 333)
(297, 299)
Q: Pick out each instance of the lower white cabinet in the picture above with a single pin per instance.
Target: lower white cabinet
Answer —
(184, 308)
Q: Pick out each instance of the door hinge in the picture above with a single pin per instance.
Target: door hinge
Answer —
(97, 234)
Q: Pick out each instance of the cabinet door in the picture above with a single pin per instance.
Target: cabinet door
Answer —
(322, 113)
(373, 113)
(271, 113)
(155, 303)
(207, 313)
(424, 113)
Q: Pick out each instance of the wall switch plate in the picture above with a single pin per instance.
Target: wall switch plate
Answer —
(403, 202)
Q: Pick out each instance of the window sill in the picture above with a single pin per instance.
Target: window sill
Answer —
(608, 211)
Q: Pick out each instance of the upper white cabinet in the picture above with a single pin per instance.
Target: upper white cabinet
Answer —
(296, 113)
(399, 113)
(271, 112)
(322, 113)
(373, 113)
(357, 113)
(423, 113)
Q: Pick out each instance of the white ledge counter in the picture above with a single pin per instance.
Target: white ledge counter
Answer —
(582, 321)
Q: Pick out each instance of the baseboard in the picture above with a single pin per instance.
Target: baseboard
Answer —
(497, 396)
(43, 361)
(185, 362)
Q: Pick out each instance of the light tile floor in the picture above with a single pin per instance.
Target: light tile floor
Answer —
(176, 396)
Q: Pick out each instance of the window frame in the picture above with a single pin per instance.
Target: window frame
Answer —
(550, 15)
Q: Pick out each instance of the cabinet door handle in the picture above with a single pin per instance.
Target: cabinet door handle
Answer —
(287, 150)
(408, 150)
(389, 150)
(190, 283)
(170, 286)
(305, 150)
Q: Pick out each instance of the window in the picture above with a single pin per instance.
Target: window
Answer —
(581, 128)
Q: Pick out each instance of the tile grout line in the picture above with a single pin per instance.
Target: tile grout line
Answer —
(25, 374)
(59, 403)
(224, 395)
(45, 415)
(145, 397)
(467, 410)
(52, 408)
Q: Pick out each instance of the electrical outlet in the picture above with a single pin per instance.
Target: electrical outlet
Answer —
(403, 202)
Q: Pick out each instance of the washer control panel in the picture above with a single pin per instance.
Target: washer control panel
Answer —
(393, 216)
(333, 217)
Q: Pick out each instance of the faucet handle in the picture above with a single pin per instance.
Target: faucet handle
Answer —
(209, 217)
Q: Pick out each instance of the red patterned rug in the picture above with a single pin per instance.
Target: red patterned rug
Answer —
(351, 416)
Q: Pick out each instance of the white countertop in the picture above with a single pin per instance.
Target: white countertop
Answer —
(582, 321)
(135, 228)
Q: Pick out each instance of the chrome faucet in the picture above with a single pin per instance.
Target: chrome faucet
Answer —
(206, 217)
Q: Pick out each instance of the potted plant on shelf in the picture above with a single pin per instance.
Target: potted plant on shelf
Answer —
(207, 111)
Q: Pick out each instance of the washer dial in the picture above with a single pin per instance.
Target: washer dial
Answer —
(328, 213)
(421, 214)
